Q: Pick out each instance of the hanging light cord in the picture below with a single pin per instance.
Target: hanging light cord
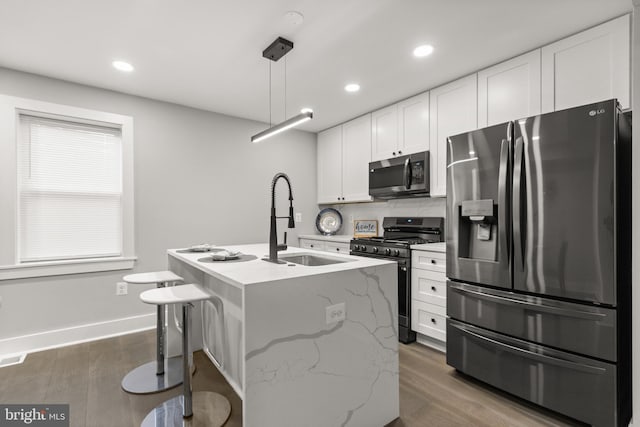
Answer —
(285, 87)
(270, 122)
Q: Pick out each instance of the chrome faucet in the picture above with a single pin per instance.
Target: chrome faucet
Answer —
(274, 247)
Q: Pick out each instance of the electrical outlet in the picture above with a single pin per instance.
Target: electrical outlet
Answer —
(335, 313)
(298, 216)
(121, 288)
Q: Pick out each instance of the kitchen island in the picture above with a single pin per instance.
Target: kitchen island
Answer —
(301, 345)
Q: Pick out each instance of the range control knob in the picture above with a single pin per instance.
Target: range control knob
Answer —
(363, 248)
(396, 252)
(375, 250)
(356, 247)
(387, 251)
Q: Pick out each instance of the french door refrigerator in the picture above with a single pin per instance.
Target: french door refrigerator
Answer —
(538, 260)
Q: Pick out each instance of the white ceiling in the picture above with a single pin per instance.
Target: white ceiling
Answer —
(208, 54)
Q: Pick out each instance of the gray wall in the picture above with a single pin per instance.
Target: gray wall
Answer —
(198, 179)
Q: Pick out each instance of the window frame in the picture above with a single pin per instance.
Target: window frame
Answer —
(10, 266)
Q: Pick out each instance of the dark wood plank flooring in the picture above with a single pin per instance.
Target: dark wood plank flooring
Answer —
(87, 376)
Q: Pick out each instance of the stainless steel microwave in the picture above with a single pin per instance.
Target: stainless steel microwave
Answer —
(400, 177)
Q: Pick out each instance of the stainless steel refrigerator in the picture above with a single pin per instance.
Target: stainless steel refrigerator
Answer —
(538, 260)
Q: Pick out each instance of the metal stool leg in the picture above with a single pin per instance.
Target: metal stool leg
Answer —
(186, 372)
(160, 337)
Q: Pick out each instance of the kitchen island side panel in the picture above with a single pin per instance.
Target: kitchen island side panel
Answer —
(304, 370)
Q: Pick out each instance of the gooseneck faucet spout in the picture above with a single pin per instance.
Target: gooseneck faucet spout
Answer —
(274, 247)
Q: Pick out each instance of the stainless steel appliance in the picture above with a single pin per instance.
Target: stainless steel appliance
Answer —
(399, 234)
(400, 177)
(538, 260)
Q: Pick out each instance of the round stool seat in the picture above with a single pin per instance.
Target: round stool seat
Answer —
(152, 277)
(209, 410)
(175, 295)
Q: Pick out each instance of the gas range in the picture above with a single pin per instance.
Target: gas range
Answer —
(399, 234)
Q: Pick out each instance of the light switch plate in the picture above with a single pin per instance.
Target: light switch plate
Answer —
(336, 313)
(298, 216)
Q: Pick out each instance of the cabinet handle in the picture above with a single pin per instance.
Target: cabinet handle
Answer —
(433, 320)
(338, 198)
(338, 249)
(399, 152)
(311, 245)
(394, 153)
(433, 261)
(433, 288)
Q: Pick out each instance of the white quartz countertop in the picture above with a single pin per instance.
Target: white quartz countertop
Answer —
(258, 271)
(435, 247)
(335, 238)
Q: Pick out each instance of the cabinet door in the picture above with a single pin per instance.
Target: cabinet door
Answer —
(510, 90)
(384, 133)
(413, 124)
(356, 155)
(454, 110)
(590, 66)
(330, 165)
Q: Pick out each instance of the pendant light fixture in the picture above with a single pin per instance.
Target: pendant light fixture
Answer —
(276, 50)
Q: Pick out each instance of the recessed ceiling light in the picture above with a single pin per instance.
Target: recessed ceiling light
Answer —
(122, 66)
(352, 87)
(423, 50)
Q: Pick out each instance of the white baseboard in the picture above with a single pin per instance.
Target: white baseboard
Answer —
(431, 342)
(76, 334)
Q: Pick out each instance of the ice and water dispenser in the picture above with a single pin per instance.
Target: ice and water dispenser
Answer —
(478, 230)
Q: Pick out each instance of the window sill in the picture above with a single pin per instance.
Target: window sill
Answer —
(57, 268)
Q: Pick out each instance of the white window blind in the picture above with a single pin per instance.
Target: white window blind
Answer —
(69, 190)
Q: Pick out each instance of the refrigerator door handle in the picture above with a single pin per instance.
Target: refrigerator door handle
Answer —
(502, 199)
(530, 354)
(517, 204)
(559, 311)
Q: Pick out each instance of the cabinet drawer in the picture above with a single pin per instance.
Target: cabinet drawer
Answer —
(429, 286)
(429, 320)
(341, 248)
(316, 245)
(434, 261)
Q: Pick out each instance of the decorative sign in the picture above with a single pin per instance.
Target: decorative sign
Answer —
(365, 228)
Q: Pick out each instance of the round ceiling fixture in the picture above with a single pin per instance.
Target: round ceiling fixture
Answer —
(293, 18)
(423, 50)
(352, 87)
(122, 66)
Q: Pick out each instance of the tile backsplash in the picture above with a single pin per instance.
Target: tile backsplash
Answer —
(422, 206)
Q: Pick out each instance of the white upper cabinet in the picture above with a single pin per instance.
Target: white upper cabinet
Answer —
(454, 110)
(413, 124)
(384, 133)
(510, 90)
(591, 66)
(356, 155)
(401, 128)
(330, 165)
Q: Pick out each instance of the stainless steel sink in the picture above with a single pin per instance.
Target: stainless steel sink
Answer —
(312, 260)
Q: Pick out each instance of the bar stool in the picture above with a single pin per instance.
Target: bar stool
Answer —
(164, 373)
(206, 409)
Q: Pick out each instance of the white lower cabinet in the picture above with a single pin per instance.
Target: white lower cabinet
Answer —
(325, 246)
(429, 297)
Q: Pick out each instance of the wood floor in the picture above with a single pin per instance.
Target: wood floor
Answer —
(87, 376)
